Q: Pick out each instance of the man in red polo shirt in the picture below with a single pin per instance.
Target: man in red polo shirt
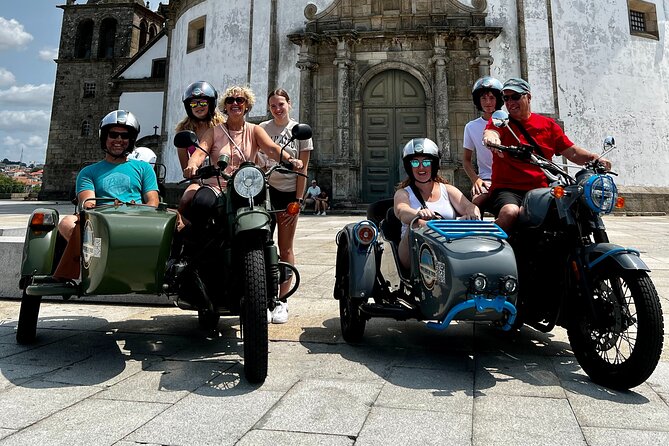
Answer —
(512, 178)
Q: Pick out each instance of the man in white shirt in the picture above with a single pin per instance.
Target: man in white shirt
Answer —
(311, 194)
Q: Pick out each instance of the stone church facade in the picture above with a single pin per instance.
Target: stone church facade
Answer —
(368, 75)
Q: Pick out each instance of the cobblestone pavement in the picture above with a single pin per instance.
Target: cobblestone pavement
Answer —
(118, 374)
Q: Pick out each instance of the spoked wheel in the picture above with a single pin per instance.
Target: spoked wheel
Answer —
(254, 313)
(351, 320)
(26, 331)
(621, 349)
(208, 320)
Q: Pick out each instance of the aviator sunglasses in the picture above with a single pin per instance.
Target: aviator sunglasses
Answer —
(238, 100)
(416, 163)
(123, 135)
(194, 104)
(513, 97)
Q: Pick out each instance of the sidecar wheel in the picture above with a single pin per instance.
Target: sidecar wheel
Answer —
(351, 321)
(26, 330)
(254, 314)
(623, 349)
(207, 320)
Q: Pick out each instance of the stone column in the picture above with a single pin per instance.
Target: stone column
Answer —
(343, 63)
(307, 65)
(483, 58)
(441, 121)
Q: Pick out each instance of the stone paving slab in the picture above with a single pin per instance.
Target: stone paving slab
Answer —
(105, 373)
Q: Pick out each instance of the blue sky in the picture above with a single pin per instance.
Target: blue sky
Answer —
(29, 37)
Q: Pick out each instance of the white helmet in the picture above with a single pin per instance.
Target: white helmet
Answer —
(423, 147)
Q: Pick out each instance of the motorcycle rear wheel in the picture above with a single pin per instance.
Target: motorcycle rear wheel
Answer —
(254, 313)
(351, 321)
(623, 351)
(26, 329)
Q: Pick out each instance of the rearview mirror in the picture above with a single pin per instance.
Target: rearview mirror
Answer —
(609, 142)
(500, 119)
(186, 139)
(301, 131)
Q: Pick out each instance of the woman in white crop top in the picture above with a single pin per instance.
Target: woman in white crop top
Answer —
(421, 162)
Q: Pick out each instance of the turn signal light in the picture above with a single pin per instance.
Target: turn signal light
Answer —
(42, 220)
(293, 208)
(620, 203)
(557, 191)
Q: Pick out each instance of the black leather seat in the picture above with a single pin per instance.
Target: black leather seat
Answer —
(391, 226)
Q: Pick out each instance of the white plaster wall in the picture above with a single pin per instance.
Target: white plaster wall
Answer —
(141, 68)
(608, 82)
(224, 61)
(147, 107)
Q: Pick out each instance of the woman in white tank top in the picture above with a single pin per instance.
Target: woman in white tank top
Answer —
(421, 162)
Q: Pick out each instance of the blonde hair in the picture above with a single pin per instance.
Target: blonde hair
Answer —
(189, 123)
(237, 90)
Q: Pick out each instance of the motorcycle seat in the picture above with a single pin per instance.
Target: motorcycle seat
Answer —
(391, 226)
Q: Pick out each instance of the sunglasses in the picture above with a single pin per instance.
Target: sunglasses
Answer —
(416, 163)
(123, 135)
(194, 104)
(513, 97)
(238, 100)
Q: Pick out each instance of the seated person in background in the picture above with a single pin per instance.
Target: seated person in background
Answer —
(424, 194)
(116, 176)
(321, 203)
(311, 194)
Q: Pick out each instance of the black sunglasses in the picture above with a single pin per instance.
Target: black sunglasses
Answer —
(114, 135)
(238, 100)
(513, 97)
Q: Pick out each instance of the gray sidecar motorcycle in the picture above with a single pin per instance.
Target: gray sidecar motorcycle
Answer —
(460, 270)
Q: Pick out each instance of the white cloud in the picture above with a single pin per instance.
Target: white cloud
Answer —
(10, 141)
(12, 35)
(31, 95)
(35, 141)
(31, 120)
(6, 78)
(30, 149)
(48, 54)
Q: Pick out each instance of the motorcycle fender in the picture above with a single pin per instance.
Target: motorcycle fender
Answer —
(39, 247)
(362, 266)
(251, 219)
(627, 258)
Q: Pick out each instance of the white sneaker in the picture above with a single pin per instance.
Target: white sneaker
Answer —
(280, 313)
(323, 213)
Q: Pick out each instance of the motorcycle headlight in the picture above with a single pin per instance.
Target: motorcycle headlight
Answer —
(248, 181)
(600, 193)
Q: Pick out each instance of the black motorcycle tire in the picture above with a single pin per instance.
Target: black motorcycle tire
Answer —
(26, 330)
(208, 320)
(254, 314)
(619, 372)
(351, 320)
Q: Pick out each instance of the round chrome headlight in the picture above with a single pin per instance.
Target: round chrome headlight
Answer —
(478, 282)
(248, 182)
(600, 193)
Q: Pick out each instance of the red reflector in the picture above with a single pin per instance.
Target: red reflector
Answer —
(366, 234)
(37, 220)
(41, 219)
(620, 203)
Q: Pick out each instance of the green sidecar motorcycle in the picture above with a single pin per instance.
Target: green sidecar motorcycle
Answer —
(227, 264)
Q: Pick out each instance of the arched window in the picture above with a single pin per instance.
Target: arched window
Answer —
(152, 31)
(107, 39)
(142, 33)
(85, 128)
(84, 39)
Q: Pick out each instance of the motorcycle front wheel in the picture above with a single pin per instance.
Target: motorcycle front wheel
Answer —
(622, 348)
(254, 313)
(26, 330)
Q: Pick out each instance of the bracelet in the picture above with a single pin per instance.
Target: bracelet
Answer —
(300, 200)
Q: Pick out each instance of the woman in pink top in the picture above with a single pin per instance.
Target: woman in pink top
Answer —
(238, 139)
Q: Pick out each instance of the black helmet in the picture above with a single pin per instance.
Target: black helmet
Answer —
(487, 83)
(421, 147)
(200, 90)
(119, 118)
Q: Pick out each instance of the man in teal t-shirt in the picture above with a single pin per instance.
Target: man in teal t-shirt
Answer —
(114, 177)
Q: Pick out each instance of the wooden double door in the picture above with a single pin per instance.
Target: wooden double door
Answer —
(393, 112)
